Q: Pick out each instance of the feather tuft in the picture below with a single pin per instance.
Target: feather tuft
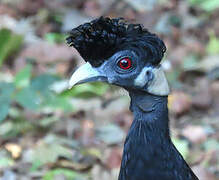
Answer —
(99, 39)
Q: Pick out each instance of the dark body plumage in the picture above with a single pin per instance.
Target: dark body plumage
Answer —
(148, 153)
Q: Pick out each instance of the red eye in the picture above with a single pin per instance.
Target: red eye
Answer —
(125, 63)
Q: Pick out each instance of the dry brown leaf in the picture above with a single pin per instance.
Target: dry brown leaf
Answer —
(114, 158)
(202, 99)
(87, 132)
(215, 93)
(72, 165)
(45, 53)
(196, 134)
(92, 8)
(124, 119)
(202, 173)
(179, 102)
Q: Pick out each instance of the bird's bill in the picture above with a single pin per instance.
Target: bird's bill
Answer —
(85, 73)
(158, 85)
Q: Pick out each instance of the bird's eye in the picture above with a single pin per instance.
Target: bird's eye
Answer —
(125, 63)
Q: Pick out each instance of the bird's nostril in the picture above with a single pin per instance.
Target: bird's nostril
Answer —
(149, 74)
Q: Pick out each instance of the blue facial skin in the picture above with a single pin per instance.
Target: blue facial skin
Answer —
(118, 76)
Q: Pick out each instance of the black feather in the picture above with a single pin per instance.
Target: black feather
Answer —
(99, 39)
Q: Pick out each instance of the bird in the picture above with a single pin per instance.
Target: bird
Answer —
(129, 56)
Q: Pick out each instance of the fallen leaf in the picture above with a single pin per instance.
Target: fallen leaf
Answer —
(14, 149)
(9, 44)
(6, 91)
(5, 160)
(179, 102)
(92, 8)
(58, 172)
(141, 5)
(124, 119)
(215, 91)
(78, 166)
(87, 132)
(9, 175)
(114, 158)
(202, 173)
(44, 153)
(208, 63)
(196, 134)
(6, 9)
(202, 98)
(41, 52)
(182, 146)
(78, 17)
(98, 173)
(110, 134)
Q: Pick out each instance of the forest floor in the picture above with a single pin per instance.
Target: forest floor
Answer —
(49, 132)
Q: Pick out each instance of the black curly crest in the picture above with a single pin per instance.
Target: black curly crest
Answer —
(99, 39)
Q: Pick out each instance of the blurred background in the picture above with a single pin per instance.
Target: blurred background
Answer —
(48, 132)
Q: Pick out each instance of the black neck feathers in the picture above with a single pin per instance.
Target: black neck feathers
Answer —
(150, 110)
(148, 151)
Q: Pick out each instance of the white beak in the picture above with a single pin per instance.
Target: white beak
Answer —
(85, 73)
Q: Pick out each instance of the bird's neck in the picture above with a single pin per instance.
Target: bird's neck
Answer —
(150, 114)
(147, 143)
(148, 151)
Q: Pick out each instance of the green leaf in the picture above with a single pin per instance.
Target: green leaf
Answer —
(195, 2)
(182, 146)
(42, 83)
(5, 128)
(48, 153)
(35, 165)
(55, 37)
(209, 5)
(6, 90)
(4, 108)
(190, 62)
(213, 45)
(87, 90)
(9, 43)
(58, 102)
(15, 127)
(48, 121)
(211, 144)
(28, 98)
(173, 77)
(22, 78)
(68, 174)
(6, 162)
(61, 140)
(206, 5)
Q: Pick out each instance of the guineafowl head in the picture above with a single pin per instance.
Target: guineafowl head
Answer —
(119, 53)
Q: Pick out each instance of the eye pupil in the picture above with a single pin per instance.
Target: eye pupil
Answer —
(125, 63)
